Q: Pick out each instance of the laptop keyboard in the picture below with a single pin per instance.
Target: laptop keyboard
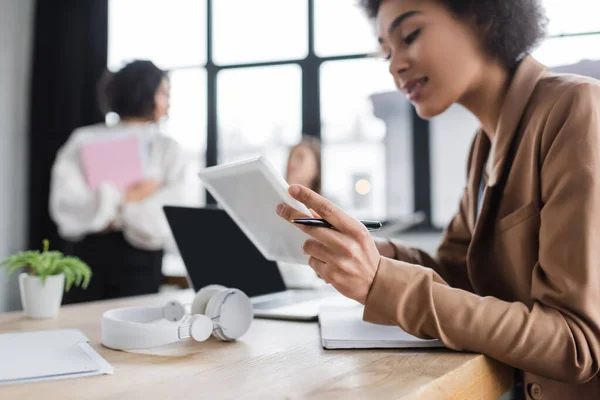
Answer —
(290, 299)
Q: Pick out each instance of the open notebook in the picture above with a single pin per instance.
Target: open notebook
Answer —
(343, 328)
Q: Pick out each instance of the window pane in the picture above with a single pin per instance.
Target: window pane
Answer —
(259, 113)
(259, 30)
(451, 137)
(187, 122)
(170, 33)
(366, 131)
(568, 50)
(573, 16)
(342, 27)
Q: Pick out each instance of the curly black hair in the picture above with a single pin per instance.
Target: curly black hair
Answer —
(515, 26)
(130, 91)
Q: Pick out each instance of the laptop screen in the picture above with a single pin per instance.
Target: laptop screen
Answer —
(215, 251)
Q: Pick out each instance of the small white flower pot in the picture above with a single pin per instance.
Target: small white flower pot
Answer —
(41, 300)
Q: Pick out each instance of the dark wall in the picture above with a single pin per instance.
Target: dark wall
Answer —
(69, 56)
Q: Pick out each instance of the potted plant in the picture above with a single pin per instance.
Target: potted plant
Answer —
(43, 283)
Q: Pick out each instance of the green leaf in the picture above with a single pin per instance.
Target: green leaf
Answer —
(53, 261)
(81, 272)
(69, 277)
(13, 268)
(87, 277)
(43, 277)
(22, 259)
(49, 263)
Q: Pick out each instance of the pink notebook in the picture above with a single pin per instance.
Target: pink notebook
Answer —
(117, 160)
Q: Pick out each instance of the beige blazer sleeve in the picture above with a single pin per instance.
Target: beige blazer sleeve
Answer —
(558, 336)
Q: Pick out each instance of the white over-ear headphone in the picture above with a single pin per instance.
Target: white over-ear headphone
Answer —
(224, 313)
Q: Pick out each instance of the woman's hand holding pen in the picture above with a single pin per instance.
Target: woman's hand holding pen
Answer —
(385, 247)
(346, 256)
(141, 190)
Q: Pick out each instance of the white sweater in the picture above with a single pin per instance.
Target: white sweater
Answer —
(78, 211)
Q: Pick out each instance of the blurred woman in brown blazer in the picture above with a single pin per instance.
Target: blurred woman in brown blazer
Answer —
(517, 275)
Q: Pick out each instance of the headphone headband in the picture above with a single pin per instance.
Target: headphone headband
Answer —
(132, 328)
(229, 314)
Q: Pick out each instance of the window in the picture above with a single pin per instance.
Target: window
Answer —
(187, 122)
(259, 30)
(187, 119)
(259, 112)
(573, 16)
(555, 52)
(451, 136)
(577, 18)
(147, 29)
(171, 34)
(341, 28)
(361, 123)
(365, 125)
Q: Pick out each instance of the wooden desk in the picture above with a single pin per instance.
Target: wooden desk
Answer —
(275, 359)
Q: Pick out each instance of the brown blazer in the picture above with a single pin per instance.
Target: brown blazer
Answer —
(522, 282)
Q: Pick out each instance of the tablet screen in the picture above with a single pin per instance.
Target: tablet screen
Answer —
(249, 191)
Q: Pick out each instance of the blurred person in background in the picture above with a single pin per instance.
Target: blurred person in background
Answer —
(304, 164)
(304, 168)
(121, 234)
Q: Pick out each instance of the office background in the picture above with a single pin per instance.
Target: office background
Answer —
(247, 78)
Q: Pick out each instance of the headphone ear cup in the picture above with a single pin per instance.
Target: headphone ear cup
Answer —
(235, 312)
(202, 298)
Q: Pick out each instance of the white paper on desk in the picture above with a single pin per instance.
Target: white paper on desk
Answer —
(47, 355)
(344, 328)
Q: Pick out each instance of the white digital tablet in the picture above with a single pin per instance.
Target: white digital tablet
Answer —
(249, 191)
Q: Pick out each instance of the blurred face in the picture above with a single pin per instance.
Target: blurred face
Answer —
(302, 166)
(161, 101)
(435, 58)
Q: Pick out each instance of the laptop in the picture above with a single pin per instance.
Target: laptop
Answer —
(216, 251)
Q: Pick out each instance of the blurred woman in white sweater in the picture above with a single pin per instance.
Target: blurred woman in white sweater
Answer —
(121, 233)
